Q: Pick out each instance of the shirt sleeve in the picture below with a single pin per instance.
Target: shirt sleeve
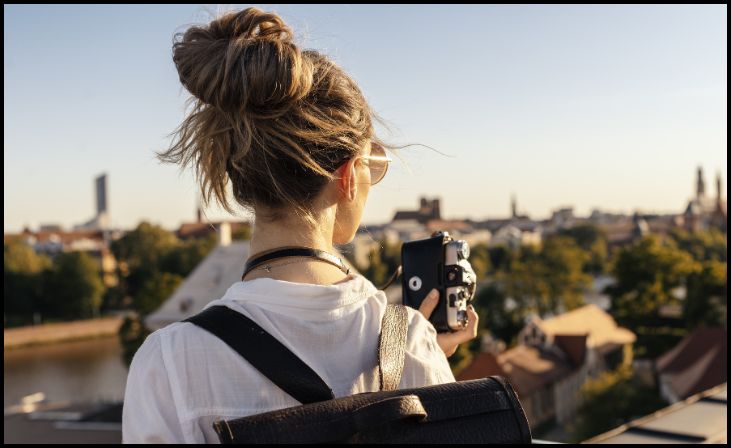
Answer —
(425, 364)
(149, 413)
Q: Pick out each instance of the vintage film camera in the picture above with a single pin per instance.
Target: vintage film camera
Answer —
(439, 262)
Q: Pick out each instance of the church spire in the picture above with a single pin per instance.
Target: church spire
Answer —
(700, 189)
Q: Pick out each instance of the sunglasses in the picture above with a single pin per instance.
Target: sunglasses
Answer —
(377, 162)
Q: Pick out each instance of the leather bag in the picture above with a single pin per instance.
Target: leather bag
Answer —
(476, 411)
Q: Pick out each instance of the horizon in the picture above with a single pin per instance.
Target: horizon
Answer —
(560, 105)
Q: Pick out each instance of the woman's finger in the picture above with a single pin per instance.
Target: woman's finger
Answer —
(429, 303)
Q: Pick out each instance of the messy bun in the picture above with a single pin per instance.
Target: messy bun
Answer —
(246, 62)
(274, 120)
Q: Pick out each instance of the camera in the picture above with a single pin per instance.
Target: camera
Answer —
(439, 262)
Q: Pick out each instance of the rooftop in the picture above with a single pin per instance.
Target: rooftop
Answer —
(698, 419)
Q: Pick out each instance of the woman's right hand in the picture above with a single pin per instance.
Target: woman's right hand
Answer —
(449, 342)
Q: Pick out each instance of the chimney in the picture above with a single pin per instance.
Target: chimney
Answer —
(224, 234)
(198, 215)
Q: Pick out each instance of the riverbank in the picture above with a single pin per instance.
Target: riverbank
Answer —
(61, 332)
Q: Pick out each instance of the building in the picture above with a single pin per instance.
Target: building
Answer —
(704, 212)
(553, 359)
(698, 419)
(100, 221)
(428, 209)
(92, 242)
(697, 363)
(200, 229)
(512, 236)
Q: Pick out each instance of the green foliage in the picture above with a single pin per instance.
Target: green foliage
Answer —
(500, 258)
(593, 240)
(19, 257)
(156, 263)
(183, 258)
(145, 247)
(702, 246)
(480, 260)
(22, 276)
(72, 288)
(646, 273)
(383, 262)
(242, 233)
(549, 279)
(154, 291)
(614, 398)
(132, 334)
(705, 302)
(502, 323)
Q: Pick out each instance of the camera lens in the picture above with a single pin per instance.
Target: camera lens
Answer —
(452, 299)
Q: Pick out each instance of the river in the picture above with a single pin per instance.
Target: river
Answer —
(77, 371)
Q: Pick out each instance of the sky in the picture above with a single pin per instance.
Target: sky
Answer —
(592, 106)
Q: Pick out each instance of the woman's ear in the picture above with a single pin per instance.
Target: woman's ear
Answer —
(348, 180)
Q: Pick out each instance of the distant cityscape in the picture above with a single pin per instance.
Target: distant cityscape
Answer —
(702, 212)
(553, 356)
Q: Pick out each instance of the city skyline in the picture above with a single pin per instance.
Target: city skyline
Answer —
(557, 105)
(708, 188)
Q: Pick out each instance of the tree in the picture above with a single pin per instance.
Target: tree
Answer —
(548, 280)
(502, 321)
(705, 301)
(593, 240)
(23, 274)
(183, 258)
(480, 260)
(500, 258)
(72, 288)
(154, 291)
(144, 247)
(614, 398)
(702, 246)
(646, 274)
(377, 270)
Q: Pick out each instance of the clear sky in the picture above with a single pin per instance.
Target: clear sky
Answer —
(609, 107)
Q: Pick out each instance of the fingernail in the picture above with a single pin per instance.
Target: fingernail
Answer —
(433, 294)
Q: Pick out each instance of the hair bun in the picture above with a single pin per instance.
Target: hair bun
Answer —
(243, 61)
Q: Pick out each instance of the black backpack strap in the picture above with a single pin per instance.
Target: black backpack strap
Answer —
(392, 346)
(265, 353)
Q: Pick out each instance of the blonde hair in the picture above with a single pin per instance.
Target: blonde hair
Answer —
(274, 120)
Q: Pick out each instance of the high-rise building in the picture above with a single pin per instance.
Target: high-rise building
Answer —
(100, 221)
(101, 194)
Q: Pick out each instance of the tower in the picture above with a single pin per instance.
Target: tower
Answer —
(513, 207)
(101, 194)
(718, 187)
(700, 188)
(101, 221)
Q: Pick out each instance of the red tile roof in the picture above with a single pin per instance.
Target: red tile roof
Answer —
(697, 363)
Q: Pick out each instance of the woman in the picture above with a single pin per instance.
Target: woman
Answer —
(293, 134)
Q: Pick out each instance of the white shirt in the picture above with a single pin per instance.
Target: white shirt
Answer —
(183, 378)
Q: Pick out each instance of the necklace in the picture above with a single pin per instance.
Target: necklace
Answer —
(269, 267)
(292, 251)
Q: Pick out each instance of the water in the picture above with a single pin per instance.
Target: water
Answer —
(78, 371)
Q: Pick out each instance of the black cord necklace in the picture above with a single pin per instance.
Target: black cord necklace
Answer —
(294, 251)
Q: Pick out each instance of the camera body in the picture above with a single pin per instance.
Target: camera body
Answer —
(439, 262)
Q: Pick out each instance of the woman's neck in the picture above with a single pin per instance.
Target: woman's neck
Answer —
(268, 236)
